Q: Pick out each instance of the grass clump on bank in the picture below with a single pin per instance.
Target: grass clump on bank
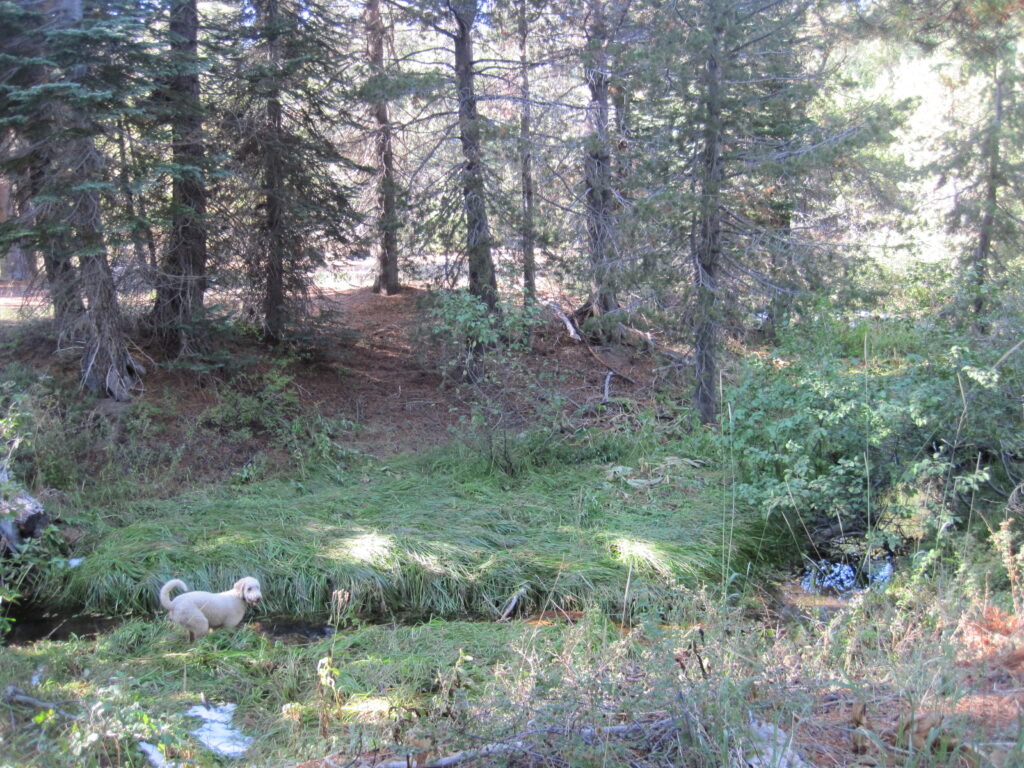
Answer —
(412, 540)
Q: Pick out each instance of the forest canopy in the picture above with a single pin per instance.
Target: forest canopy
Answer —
(698, 171)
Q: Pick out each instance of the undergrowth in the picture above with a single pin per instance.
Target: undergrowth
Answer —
(700, 686)
(887, 433)
(102, 453)
(638, 530)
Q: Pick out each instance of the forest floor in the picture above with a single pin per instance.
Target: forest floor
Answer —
(381, 374)
(393, 388)
(926, 674)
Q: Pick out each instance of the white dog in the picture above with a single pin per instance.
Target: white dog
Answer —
(199, 612)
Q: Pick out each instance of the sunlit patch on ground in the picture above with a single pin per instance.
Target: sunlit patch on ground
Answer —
(368, 707)
(368, 547)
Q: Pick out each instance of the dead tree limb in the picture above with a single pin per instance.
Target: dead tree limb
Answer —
(520, 594)
(15, 696)
(518, 743)
(570, 326)
(605, 363)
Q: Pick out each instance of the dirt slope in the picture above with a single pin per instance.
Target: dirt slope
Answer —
(392, 388)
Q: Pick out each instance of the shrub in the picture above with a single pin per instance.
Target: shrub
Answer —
(471, 340)
(844, 445)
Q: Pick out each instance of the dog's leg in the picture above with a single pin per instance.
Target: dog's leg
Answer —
(197, 626)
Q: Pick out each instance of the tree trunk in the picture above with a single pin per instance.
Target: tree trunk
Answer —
(707, 242)
(981, 256)
(526, 162)
(62, 278)
(182, 283)
(623, 164)
(107, 368)
(273, 298)
(388, 222)
(142, 234)
(63, 283)
(597, 167)
(19, 263)
(482, 279)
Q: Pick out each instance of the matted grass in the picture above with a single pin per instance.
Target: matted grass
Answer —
(412, 540)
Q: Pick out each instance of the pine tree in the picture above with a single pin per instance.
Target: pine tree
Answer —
(279, 91)
(182, 279)
(983, 156)
(388, 223)
(483, 283)
(734, 159)
(66, 84)
(604, 21)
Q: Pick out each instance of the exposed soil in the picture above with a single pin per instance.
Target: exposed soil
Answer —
(383, 383)
(392, 387)
(374, 367)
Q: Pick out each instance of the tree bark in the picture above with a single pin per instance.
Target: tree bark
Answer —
(981, 256)
(107, 368)
(707, 242)
(388, 222)
(597, 166)
(482, 279)
(527, 232)
(62, 277)
(63, 283)
(19, 263)
(182, 282)
(277, 248)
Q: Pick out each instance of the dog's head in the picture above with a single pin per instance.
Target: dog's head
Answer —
(249, 590)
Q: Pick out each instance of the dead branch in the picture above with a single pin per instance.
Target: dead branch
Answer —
(577, 336)
(465, 755)
(634, 337)
(605, 363)
(569, 325)
(15, 696)
(520, 593)
(591, 734)
(518, 743)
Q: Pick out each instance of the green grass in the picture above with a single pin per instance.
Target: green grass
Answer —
(136, 683)
(443, 686)
(412, 540)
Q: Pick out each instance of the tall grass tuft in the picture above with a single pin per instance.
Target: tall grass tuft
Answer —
(409, 540)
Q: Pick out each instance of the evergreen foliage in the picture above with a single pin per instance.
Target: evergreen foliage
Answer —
(282, 193)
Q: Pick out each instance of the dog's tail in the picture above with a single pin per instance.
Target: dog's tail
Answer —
(165, 592)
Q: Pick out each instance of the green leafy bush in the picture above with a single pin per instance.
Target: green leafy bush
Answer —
(469, 339)
(266, 402)
(840, 444)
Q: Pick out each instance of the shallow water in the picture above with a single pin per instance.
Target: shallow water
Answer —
(32, 629)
